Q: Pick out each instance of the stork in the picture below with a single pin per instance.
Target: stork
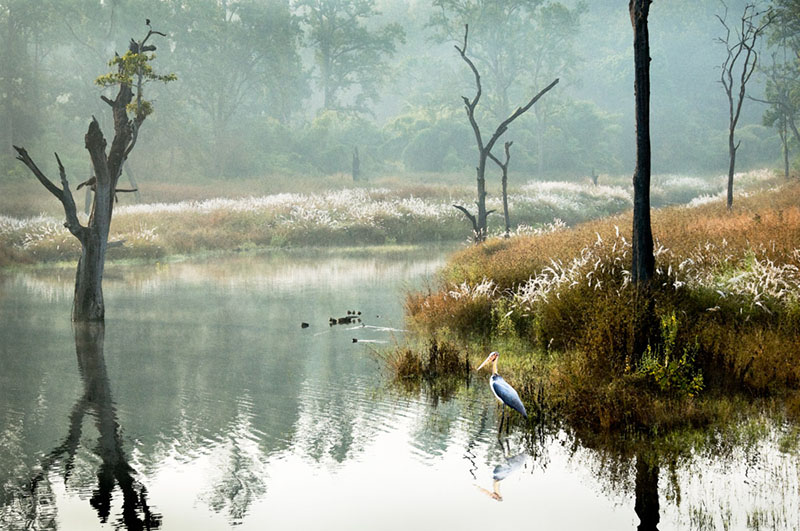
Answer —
(506, 394)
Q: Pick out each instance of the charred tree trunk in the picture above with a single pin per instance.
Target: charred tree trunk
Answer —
(643, 259)
(478, 221)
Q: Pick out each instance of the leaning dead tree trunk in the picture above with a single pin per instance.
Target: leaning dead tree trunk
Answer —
(504, 182)
(740, 62)
(479, 220)
(643, 260)
(133, 68)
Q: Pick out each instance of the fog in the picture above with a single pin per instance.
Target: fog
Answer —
(271, 87)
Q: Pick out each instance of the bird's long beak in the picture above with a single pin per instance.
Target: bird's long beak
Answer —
(489, 357)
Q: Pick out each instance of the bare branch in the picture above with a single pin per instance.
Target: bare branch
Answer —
(68, 201)
(519, 112)
(64, 196)
(469, 217)
(471, 104)
(22, 155)
(503, 165)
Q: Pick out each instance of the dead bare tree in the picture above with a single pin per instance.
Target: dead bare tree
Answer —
(479, 220)
(737, 68)
(133, 70)
(504, 182)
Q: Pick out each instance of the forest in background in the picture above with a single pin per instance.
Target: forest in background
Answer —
(272, 87)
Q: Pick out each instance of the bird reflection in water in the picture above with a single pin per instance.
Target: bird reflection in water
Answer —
(501, 472)
(113, 469)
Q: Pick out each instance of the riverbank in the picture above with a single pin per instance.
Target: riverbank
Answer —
(723, 322)
(384, 213)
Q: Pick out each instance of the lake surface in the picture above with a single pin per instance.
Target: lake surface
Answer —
(203, 404)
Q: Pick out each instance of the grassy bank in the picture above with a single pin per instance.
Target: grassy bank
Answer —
(387, 212)
(723, 317)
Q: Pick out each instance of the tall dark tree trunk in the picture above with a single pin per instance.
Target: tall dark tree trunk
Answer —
(643, 259)
(88, 302)
(506, 217)
(732, 148)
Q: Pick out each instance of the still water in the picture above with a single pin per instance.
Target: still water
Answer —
(203, 404)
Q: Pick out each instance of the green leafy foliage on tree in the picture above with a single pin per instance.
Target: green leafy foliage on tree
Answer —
(351, 59)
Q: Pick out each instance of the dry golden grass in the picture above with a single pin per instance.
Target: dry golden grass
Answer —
(769, 219)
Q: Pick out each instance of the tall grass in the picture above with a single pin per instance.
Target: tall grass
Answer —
(395, 213)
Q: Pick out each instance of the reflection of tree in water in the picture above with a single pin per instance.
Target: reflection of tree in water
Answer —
(113, 470)
(646, 489)
(242, 473)
(630, 468)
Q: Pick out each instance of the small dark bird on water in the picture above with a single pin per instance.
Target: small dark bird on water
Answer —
(304, 325)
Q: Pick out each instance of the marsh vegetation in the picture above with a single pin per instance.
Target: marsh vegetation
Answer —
(308, 157)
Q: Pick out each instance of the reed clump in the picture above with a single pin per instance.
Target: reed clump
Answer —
(438, 357)
(721, 316)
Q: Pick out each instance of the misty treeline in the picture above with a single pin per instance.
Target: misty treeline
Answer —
(294, 87)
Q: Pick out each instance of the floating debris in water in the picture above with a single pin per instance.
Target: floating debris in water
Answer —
(351, 317)
(304, 325)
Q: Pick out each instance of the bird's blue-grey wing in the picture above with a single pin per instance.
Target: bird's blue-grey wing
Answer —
(508, 395)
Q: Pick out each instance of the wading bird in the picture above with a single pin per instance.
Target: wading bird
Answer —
(502, 390)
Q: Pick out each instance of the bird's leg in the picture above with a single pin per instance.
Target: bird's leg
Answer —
(502, 418)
